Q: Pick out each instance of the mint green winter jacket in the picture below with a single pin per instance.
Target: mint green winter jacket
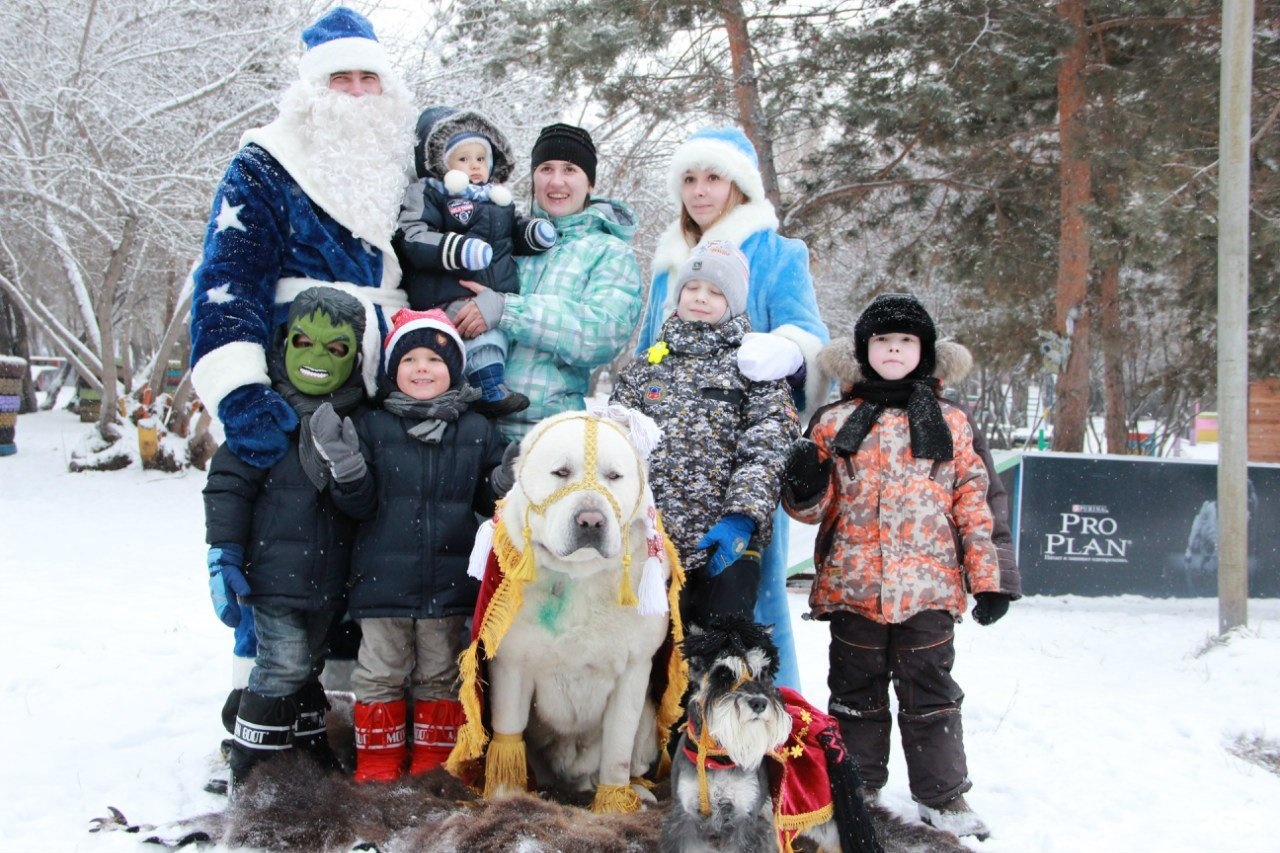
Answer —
(578, 304)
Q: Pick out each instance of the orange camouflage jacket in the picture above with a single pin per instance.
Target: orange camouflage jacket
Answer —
(898, 535)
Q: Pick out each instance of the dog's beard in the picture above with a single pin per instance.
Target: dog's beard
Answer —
(359, 151)
(745, 735)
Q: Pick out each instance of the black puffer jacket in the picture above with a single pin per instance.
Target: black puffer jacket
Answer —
(417, 508)
(297, 543)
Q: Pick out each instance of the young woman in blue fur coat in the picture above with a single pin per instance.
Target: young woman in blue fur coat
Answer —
(715, 179)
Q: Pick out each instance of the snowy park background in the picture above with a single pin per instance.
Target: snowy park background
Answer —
(1100, 724)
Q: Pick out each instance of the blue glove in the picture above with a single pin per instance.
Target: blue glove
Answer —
(257, 422)
(226, 581)
(729, 537)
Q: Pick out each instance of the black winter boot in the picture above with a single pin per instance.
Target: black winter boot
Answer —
(310, 733)
(264, 728)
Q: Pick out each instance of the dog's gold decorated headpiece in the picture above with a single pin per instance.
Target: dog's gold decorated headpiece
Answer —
(651, 580)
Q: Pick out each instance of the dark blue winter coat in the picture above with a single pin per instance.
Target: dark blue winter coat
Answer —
(297, 543)
(417, 508)
(427, 215)
(266, 240)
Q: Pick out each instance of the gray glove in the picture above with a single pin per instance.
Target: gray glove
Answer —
(337, 444)
(504, 476)
(491, 304)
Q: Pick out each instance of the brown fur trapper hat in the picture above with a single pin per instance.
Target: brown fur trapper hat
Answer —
(952, 362)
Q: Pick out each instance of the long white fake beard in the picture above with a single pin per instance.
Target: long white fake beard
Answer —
(359, 152)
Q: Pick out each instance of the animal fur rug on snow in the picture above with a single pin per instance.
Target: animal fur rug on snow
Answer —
(290, 804)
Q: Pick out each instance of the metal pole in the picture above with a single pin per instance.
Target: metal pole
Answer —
(1233, 311)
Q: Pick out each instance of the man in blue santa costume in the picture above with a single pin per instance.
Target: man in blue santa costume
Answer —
(311, 198)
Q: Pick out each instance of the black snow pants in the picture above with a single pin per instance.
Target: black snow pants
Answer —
(917, 655)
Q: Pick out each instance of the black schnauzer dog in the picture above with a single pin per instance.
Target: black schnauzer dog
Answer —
(722, 799)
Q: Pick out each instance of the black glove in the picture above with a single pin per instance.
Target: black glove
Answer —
(990, 607)
(806, 474)
(504, 476)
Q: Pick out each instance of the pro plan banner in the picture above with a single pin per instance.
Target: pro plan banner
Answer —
(1118, 524)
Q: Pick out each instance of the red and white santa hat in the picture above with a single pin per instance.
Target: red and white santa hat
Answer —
(431, 329)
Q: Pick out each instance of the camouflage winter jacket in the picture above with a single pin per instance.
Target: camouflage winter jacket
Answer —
(898, 535)
(725, 438)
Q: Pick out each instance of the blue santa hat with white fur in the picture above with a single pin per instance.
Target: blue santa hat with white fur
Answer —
(341, 40)
(723, 150)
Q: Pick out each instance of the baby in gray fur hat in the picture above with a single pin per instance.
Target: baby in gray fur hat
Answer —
(458, 223)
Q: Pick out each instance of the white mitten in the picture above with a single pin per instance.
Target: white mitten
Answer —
(763, 357)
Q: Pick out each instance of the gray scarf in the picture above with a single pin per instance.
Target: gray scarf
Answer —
(433, 415)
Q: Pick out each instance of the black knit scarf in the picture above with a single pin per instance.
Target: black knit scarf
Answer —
(433, 415)
(930, 435)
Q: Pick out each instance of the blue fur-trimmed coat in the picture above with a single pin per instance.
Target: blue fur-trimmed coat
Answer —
(268, 238)
(780, 296)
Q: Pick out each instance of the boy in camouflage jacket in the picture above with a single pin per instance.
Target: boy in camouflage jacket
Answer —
(716, 473)
(890, 475)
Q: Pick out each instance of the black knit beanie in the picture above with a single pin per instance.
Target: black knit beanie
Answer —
(896, 312)
(568, 143)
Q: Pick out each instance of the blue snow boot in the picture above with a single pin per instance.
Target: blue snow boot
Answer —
(498, 400)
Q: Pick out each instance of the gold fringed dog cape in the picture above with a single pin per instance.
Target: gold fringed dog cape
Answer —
(506, 573)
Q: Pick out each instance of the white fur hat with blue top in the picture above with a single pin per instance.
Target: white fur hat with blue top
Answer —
(341, 40)
(723, 150)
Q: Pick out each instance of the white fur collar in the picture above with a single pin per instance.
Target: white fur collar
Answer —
(280, 139)
(741, 222)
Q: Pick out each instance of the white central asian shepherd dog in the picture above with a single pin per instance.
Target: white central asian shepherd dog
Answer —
(584, 679)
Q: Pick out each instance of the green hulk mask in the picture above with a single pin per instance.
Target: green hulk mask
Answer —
(320, 353)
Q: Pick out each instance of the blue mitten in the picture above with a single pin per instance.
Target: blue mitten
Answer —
(226, 581)
(257, 422)
(729, 538)
(541, 234)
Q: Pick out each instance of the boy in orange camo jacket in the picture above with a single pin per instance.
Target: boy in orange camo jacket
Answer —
(891, 476)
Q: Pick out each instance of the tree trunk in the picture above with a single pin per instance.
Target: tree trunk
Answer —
(1112, 340)
(1071, 408)
(746, 91)
(106, 327)
(174, 334)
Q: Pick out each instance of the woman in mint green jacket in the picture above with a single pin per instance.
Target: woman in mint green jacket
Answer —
(579, 301)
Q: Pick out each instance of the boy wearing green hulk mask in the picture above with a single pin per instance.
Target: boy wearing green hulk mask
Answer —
(278, 542)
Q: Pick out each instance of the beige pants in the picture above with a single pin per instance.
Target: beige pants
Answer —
(422, 652)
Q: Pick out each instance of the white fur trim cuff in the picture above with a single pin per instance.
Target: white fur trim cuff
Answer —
(227, 368)
(345, 54)
(240, 669)
(720, 157)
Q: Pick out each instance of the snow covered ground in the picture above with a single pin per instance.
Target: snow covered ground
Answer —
(1091, 724)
